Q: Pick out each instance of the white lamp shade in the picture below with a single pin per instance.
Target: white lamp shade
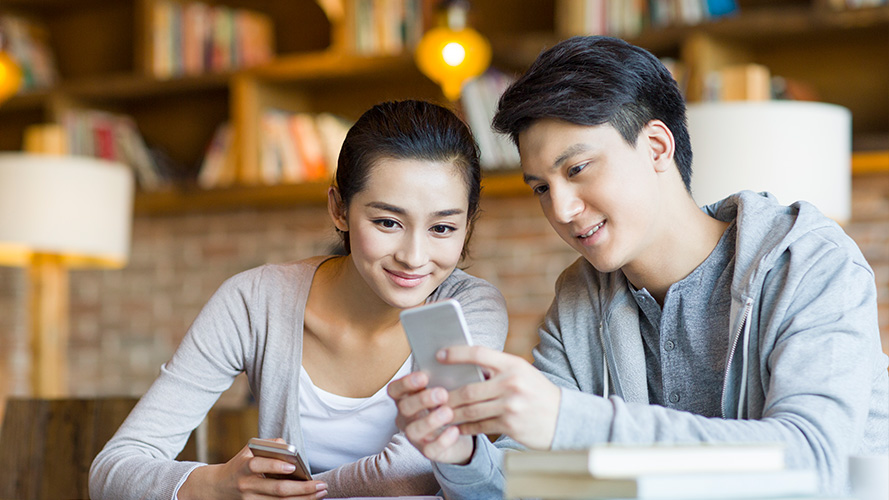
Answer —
(793, 149)
(79, 208)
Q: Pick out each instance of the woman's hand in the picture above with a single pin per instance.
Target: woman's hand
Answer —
(423, 416)
(242, 478)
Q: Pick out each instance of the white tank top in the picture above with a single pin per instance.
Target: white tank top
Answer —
(338, 430)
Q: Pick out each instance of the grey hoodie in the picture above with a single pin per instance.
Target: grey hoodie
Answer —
(804, 366)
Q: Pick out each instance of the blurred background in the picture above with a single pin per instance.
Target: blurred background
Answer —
(229, 114)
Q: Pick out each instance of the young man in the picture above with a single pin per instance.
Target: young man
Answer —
(744, 321)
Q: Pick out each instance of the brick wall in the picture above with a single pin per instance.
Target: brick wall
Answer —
(124, 324)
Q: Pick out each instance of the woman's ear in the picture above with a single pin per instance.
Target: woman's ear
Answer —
(661, 144)
(337, 209)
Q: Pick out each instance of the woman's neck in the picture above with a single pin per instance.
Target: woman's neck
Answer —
(340, 293)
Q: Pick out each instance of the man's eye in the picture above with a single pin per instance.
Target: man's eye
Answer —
(574, 170)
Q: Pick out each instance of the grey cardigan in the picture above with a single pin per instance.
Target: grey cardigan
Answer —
(805, 366)
(254, 324)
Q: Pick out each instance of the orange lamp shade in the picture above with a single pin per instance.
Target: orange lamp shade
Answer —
(10, 76)
(450, 57)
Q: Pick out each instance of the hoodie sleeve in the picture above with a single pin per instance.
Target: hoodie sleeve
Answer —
(816, 380)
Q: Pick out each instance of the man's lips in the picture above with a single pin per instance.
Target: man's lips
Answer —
(590, 231)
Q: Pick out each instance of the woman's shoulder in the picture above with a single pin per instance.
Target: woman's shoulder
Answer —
(461, 283)
(276, 276)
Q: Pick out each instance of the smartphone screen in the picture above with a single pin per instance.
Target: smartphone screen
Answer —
(281, 451)
(432, 327)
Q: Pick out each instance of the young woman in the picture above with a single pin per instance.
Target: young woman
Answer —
(320, 339)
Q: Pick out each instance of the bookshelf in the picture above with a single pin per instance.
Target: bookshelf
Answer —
(103, 50)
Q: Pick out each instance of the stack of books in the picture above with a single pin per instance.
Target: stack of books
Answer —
(693, 471)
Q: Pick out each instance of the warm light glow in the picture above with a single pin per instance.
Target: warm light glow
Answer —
(10, 76)
(453, 54)
(450, 57)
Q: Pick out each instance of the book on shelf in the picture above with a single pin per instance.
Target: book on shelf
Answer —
(628, 18)
(309, 147)
(385, 26)
(113, 137)
(189, 38)
(479, 99)
(298, 147)
(684, 486)
(624, 460)
(218, 168)
(745, 82)
(27, 42)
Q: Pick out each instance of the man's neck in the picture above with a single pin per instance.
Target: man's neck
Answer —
(685, 237)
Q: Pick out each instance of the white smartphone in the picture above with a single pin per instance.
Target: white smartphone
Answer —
(432, 327)
(281, 451)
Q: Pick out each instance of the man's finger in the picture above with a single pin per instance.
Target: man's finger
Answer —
(478, 412)
(490, 360)
(490, 426)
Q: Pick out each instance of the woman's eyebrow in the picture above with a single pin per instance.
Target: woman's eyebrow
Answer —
(400, 211)
(387, 207)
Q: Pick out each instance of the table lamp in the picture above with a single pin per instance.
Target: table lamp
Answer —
(797, 150)
(57, 213)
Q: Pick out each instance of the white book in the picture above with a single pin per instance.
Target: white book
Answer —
(626, 460)
(686, 486)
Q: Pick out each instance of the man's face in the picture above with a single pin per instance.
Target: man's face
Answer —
(598, 192)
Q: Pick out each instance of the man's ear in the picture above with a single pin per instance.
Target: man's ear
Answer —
(661, 144)
(337, 209)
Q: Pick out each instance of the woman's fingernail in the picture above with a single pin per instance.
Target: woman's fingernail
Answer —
(441, 355)
(320, 486)
(289, 468)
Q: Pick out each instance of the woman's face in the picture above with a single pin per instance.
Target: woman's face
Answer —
(407, 228)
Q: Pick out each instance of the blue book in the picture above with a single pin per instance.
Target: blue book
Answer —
(719, 8)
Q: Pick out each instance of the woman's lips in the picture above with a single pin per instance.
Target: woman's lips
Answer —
(406, 280)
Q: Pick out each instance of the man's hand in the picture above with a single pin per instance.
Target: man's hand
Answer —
(423, 416)
(516, 399)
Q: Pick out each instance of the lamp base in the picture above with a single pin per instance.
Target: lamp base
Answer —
(48, 321)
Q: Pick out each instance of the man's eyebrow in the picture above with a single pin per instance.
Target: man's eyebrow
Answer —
(566, 155)
(400, 211)
(569, 152)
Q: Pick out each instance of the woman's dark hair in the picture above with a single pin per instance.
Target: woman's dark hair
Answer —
(591, 80)
(408, 130)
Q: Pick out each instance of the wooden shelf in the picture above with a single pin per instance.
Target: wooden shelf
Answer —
(870, 162)
(101, 47)
(193, 199)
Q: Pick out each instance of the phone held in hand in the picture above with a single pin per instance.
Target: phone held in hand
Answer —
(432, 327)
(268, 448)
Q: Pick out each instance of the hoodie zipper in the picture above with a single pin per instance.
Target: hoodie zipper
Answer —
(748, 305)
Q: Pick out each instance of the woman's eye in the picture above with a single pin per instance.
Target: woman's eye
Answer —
(386, 223)
(574, 170)
(540, 190)
(443, 229)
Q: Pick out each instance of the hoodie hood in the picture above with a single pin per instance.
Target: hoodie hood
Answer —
(766, 229)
